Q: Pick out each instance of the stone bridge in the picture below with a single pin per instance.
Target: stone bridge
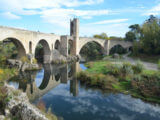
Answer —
(27, 41)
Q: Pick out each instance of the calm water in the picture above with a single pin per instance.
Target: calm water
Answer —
(57, 87)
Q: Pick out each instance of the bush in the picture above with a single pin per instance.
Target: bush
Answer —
(126, 68)
(113, 69)
(3, 99)
(159, 64)
(34, 61)
(138, 67)
(24, 59)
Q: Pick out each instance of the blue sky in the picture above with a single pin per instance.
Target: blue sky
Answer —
(96, 16)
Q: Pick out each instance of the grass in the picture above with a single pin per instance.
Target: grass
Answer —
(96, 67)
(125, 78)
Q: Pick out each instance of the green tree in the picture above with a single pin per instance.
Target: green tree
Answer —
(101, 36)
(130, 36)
(150, 39)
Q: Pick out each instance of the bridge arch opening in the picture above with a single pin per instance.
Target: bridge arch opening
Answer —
(91, 51)
(70, 47)
(12, 48)
(57, 77)
(118, 49)
(30, 47)
(57, 45)
(43, 52)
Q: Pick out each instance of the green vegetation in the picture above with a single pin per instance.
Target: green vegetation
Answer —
(7, 50)
(39, 53)
(146, 37)
(4, 75)
(24, 59)
(91, 51)
(118, 49)
(159, 64)
(101, 36)
(126, 78)
(105, 37)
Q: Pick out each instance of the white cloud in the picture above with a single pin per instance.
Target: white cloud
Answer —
(39, 4)
(112, 29)
(61, 16)
(154, 11)
(9, 15)
(110, 21)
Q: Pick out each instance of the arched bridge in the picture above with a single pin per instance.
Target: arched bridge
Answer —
(26, 42)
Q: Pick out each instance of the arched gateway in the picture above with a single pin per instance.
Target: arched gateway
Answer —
(26, 41)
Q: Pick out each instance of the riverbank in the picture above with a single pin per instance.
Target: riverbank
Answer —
(126, 78)
(14, 104)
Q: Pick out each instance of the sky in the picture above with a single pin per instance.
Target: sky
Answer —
(96, 16)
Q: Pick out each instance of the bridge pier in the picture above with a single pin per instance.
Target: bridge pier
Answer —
(47, 59)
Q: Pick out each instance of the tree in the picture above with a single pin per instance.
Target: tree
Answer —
(151, 19)
(151, 37)
(101, 36)
(136, 29)
(130, 36)
(115, 38)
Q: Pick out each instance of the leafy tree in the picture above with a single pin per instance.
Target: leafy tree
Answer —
(101, 36)
(7, 50)
(115, 38)
(151, 19)
(150, 39)
(146, 37)
(130, 36)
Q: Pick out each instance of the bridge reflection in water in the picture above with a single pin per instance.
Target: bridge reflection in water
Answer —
(36, 84)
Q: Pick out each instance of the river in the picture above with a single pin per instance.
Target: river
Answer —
(57, 87)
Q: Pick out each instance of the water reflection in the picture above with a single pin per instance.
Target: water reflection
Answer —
(36, 84)
(58, 88)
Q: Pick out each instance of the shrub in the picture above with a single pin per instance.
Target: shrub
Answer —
(126, 68)
(34, 61)
(24, 59)
(159, 64)
(138, 67)
(3, 99)
(113, 69)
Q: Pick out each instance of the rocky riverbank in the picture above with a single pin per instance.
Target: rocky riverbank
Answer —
(18, 107)
(58, 58)
(22, 66)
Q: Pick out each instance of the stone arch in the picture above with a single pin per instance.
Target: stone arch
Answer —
(57, 45)
(90, 41)
(46, 51)
(19, 45)
(124, 44)
(115, 49)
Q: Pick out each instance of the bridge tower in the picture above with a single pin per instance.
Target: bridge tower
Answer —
(74, 32)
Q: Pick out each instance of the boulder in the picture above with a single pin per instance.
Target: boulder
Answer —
(14, 63)
(28, 66)
(25, 111)
(20, 107)
(116, 56)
